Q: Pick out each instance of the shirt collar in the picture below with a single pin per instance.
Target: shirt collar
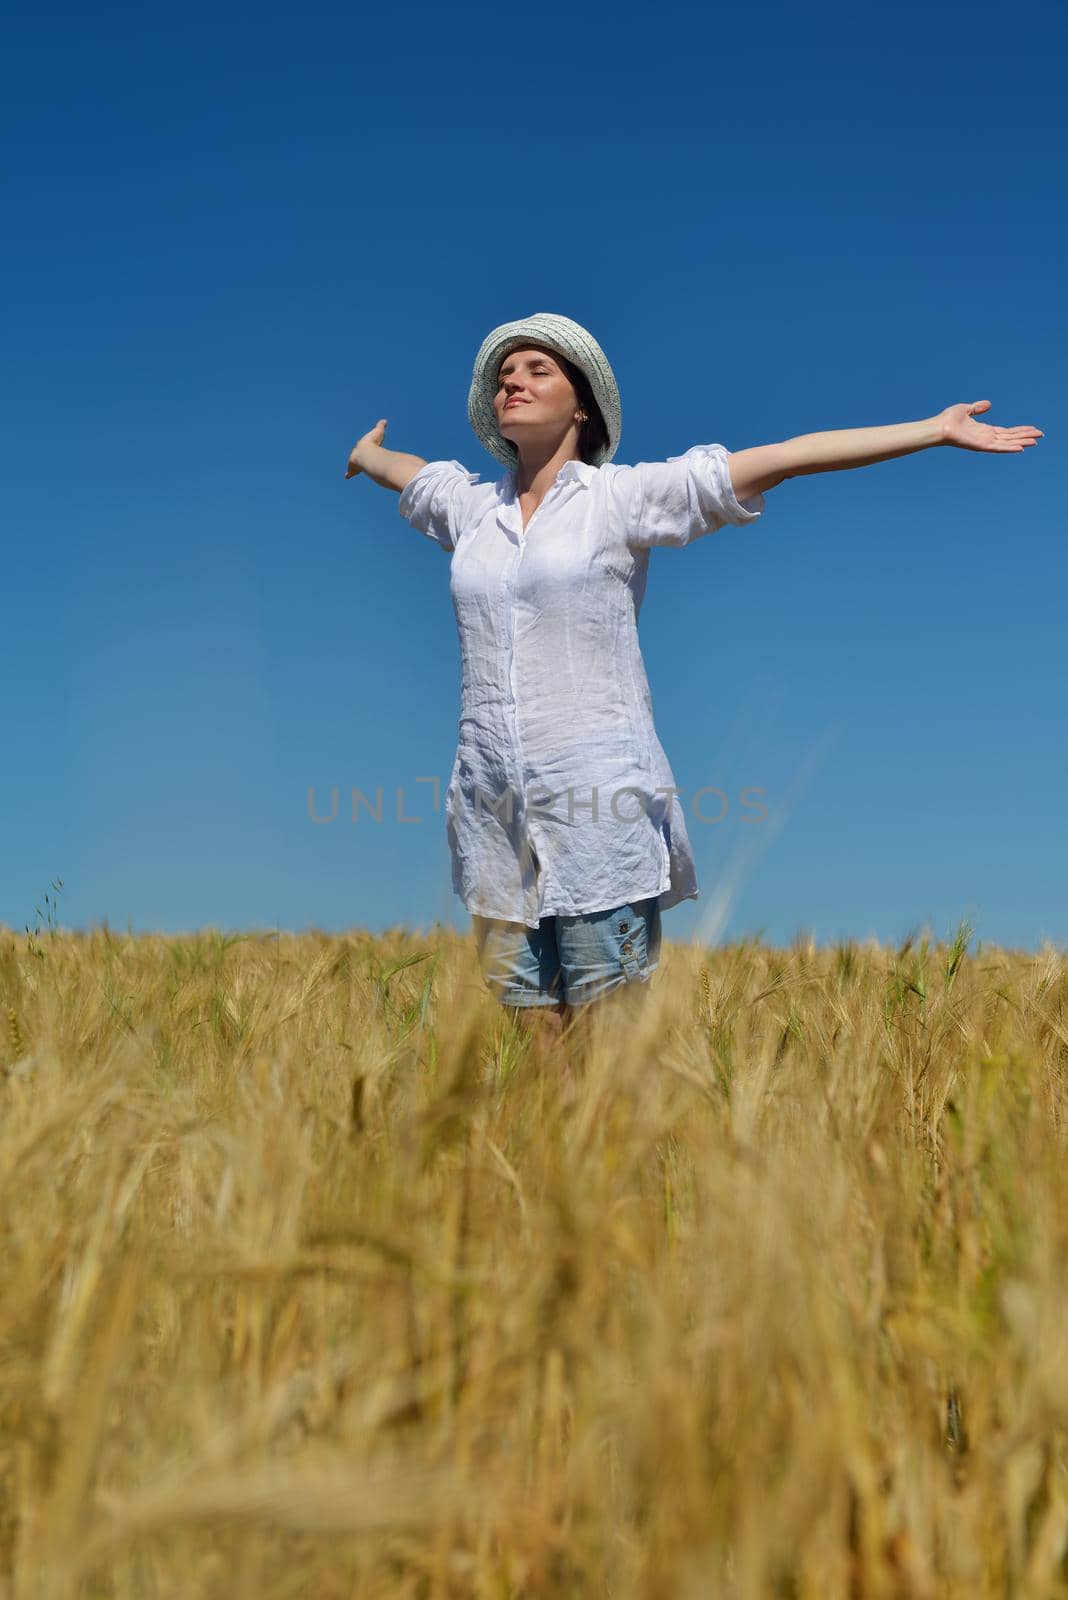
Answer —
(576, 473)
(577, 469)
(582, 470)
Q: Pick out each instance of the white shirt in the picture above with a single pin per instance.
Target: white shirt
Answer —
(556, 719)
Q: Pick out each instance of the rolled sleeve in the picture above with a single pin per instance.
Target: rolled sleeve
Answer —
(436, 499)
(675, 501)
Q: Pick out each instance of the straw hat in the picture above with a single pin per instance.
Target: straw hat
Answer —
(565, 338)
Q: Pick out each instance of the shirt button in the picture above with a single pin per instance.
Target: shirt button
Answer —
(623, 926)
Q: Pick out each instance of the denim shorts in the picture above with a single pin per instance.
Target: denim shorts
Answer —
(577, 959)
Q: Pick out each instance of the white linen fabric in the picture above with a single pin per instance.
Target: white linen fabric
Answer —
(561, 799)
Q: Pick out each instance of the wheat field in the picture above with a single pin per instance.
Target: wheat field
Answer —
(315, 1283)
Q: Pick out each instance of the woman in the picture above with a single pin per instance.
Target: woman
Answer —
(567, 835)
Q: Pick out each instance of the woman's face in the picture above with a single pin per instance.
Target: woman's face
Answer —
(543, 400)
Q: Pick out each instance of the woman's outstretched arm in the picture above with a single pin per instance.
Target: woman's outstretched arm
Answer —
(390, 468)
(767, 465)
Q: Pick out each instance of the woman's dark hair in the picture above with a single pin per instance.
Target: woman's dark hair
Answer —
(593, 434)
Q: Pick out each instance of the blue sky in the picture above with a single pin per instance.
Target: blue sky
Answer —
(238, 237)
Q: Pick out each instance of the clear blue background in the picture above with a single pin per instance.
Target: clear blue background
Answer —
(236, 237)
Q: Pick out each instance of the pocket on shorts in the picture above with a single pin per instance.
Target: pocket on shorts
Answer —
(636, 928)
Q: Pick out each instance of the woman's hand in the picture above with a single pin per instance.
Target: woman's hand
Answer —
(391, 469)
(376, 435)
(959, 427)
